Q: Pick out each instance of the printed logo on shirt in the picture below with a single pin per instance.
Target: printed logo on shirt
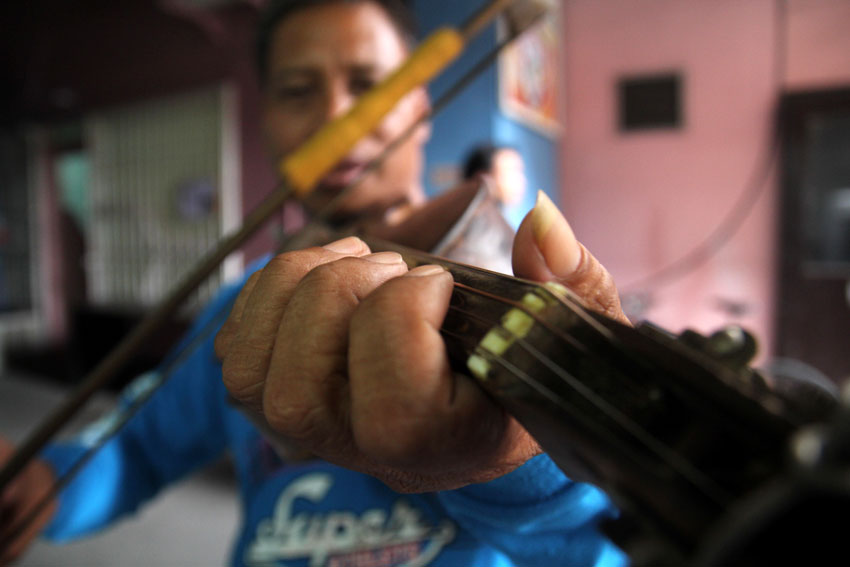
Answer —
(342, 538)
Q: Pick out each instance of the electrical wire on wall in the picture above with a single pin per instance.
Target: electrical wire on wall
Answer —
(754, 188)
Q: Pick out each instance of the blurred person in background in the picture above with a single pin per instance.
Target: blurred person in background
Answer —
(504, 166)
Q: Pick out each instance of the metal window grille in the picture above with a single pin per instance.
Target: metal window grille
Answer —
(15, 250)
(155, 192)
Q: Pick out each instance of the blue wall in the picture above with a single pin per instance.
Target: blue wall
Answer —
(474, 116)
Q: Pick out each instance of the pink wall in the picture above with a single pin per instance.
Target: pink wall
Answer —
(819, 54)
(641, 201)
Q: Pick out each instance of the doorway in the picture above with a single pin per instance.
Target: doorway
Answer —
(813, 309)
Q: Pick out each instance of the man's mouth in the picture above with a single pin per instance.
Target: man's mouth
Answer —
(342, 175)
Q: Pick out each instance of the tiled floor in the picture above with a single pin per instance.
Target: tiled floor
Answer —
(191, 524)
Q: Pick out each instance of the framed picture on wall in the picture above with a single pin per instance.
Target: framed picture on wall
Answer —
(528, 75)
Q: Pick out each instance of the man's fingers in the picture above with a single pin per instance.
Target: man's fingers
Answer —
(306, 391)
(397, 363)
(408, 408)
(224, 337)
(247, 344)
(545, 249)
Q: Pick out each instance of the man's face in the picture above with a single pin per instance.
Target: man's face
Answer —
(509, 175)
(320, 60)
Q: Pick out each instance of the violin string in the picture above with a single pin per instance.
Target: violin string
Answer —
(669, 455)
(577, 310)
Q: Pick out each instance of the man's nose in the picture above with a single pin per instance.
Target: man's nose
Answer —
(339, 102)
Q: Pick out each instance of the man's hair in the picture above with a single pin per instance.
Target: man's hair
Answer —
(480, 159)
(276, 11)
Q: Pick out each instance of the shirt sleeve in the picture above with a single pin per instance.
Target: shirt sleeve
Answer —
(178, 430)
(537, 516)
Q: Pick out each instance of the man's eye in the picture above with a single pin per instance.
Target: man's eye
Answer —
(293, 92)
(360, 85)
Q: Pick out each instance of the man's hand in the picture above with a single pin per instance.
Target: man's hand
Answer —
(18, 500)
(339, 350)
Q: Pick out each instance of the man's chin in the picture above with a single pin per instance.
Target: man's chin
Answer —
(338, 212)
(325, 201)
(331, 203)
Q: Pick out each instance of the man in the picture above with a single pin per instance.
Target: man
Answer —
(316, 351)
(313, 74)
(506, 167)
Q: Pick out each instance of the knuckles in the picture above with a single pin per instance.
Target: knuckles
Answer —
(299, 423)
(326, 281)
(243, 373)
(293, 265)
